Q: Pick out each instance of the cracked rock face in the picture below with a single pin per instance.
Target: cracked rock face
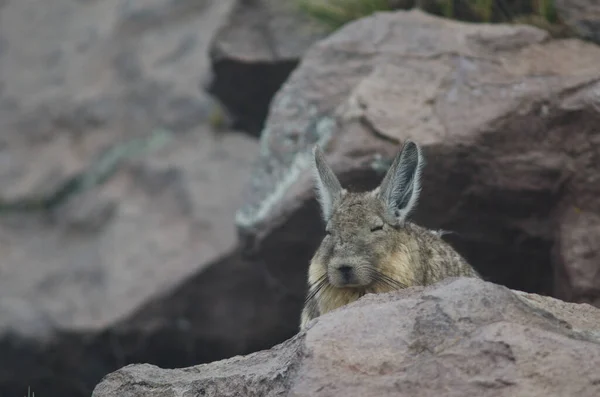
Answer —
(508, 120)
(461, 337)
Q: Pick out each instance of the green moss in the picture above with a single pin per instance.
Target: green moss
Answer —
(218, 118)
(483, 8)
(547, 10)
(540, 13)
(335, 13)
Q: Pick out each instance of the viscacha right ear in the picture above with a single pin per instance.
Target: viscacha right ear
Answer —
(328, 188)
(401, 186)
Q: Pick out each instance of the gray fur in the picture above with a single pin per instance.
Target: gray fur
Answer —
(401, 186)
(370, 246)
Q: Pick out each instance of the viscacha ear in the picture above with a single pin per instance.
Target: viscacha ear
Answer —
(401, 186)
(328, 187)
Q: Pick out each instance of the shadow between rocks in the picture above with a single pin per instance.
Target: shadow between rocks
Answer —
(231, 308)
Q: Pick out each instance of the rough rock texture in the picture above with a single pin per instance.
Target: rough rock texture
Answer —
(90, 87)
(103, 252)
(509, 120)
(70, 100)
(582, 16)
(253, 53)
(461, 337)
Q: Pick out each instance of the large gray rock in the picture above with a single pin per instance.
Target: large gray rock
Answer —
(104, 252)
(253, 53)
(80, 77)
(509, 122)
(462, 337)
(114, 192)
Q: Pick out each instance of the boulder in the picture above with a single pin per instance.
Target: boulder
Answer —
(115, 193)
(581, 16)
(253, 53)
(509, 123)
(461, 337)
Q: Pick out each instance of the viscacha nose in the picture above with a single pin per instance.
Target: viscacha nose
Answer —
(346, 272)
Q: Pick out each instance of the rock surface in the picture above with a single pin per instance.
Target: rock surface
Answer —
(114, 191)
(461, 337)
(582, 16)
(72, 99)
(509, 122)
(253, 53)
(104, 252)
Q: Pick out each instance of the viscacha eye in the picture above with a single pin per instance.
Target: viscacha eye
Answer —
(376, 228)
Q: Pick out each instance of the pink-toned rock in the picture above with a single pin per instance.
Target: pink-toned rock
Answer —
(509, 122)
(461, 337)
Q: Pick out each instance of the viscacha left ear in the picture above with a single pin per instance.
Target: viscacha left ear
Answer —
(328, 188)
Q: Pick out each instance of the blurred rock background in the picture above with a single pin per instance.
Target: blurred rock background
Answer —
(155, 204)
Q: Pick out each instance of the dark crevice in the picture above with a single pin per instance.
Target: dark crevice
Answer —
(246, 89)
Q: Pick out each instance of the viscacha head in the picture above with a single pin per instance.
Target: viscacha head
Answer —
(364, 228)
